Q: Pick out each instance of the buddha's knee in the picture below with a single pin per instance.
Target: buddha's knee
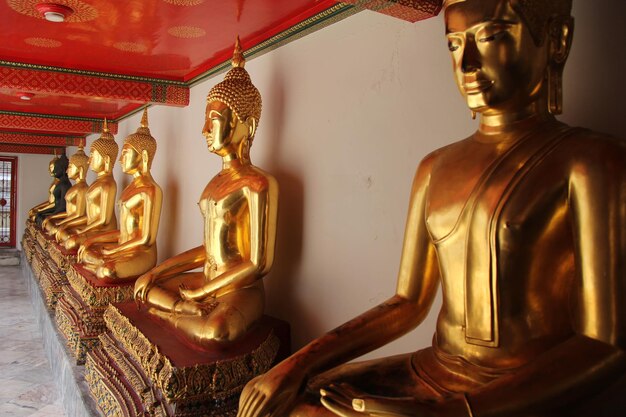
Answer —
(225, 326)
(70, 243)
(106, 270)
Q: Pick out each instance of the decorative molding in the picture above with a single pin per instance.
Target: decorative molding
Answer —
(30, 149)
(49, 81)
(50, 123)
(20, 138)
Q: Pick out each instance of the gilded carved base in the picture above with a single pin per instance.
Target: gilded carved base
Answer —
(141, 367)
(80, 310)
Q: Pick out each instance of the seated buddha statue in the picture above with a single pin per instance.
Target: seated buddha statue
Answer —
(59, 189)
(130, 251)
(522, 226)
(32, 213)
(220, 303)
(75, 201)
(100, 211)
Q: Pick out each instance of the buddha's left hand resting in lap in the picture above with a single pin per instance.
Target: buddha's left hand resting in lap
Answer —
(239, 207)
(130, 251)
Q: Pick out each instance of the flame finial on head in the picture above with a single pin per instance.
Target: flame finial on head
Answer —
(144, 118)
(238, 59)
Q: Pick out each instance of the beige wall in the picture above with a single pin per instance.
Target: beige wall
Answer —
(348, 113)
(33, 182)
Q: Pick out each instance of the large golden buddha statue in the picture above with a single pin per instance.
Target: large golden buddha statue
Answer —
(75, 198)
(32, 213)
(239, 206)
(522, 225)
(131, 250)
(101, 195)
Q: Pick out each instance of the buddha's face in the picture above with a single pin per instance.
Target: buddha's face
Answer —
(222, 129)
(130, 159)
(497, 65)
(51, 167)
(96, 161)
(72, 171)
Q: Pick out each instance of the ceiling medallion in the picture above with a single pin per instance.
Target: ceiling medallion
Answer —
(130, 47)
(82, 12)
(184, 2)
(186, 32)
(43, 42)
(25, 96)
(53, 12)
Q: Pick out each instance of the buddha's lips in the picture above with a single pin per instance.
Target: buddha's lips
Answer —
(476, 86)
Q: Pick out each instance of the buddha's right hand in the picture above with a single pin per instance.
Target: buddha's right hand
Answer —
(272, 394)
(142, 286)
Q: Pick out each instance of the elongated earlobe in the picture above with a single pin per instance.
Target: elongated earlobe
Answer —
(251, 122)
(145, 163)
(561, 33)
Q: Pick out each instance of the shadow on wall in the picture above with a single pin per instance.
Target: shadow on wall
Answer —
(283, 280)
(171, 206)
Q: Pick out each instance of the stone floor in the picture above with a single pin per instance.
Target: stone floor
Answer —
(26, 384)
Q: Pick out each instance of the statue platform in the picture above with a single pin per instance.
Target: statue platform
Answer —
(28, 240)
(49, 261)
(54, 280)
(143, 367)
(80, 310)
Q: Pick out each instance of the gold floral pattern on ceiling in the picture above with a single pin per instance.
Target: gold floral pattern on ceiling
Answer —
(186, 32)
(83, 12)
(184, 2)
(43, 42)
(131, 47)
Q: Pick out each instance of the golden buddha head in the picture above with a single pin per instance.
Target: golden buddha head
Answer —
(79, 162)
(139, 148)
(103, 152)
(508, 54)
(52, 163)
(233, 109)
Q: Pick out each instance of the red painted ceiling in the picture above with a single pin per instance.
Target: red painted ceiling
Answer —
(112, 57)
(166, 39)
(117, 56)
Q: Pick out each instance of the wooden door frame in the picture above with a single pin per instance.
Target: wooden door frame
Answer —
(13, 209)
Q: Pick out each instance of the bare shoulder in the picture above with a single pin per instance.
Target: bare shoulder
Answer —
(589, 148)
(261, 181)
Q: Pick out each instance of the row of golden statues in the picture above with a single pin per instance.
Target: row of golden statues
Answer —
(521, 224)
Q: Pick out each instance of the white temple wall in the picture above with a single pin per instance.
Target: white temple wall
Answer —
(348, 113)
(33, 183)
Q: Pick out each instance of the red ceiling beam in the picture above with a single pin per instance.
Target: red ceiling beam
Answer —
(106, 86)
(410, 10)
(19, 138)
(52, 124)
(32, 149)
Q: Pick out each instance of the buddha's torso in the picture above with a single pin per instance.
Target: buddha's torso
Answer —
(53, 186)
(225, 206)
(132, 205)
(74, 198)
(104, 185)
(532, 252)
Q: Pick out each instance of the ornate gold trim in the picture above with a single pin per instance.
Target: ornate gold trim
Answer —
(215, 382)
(98, 296)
